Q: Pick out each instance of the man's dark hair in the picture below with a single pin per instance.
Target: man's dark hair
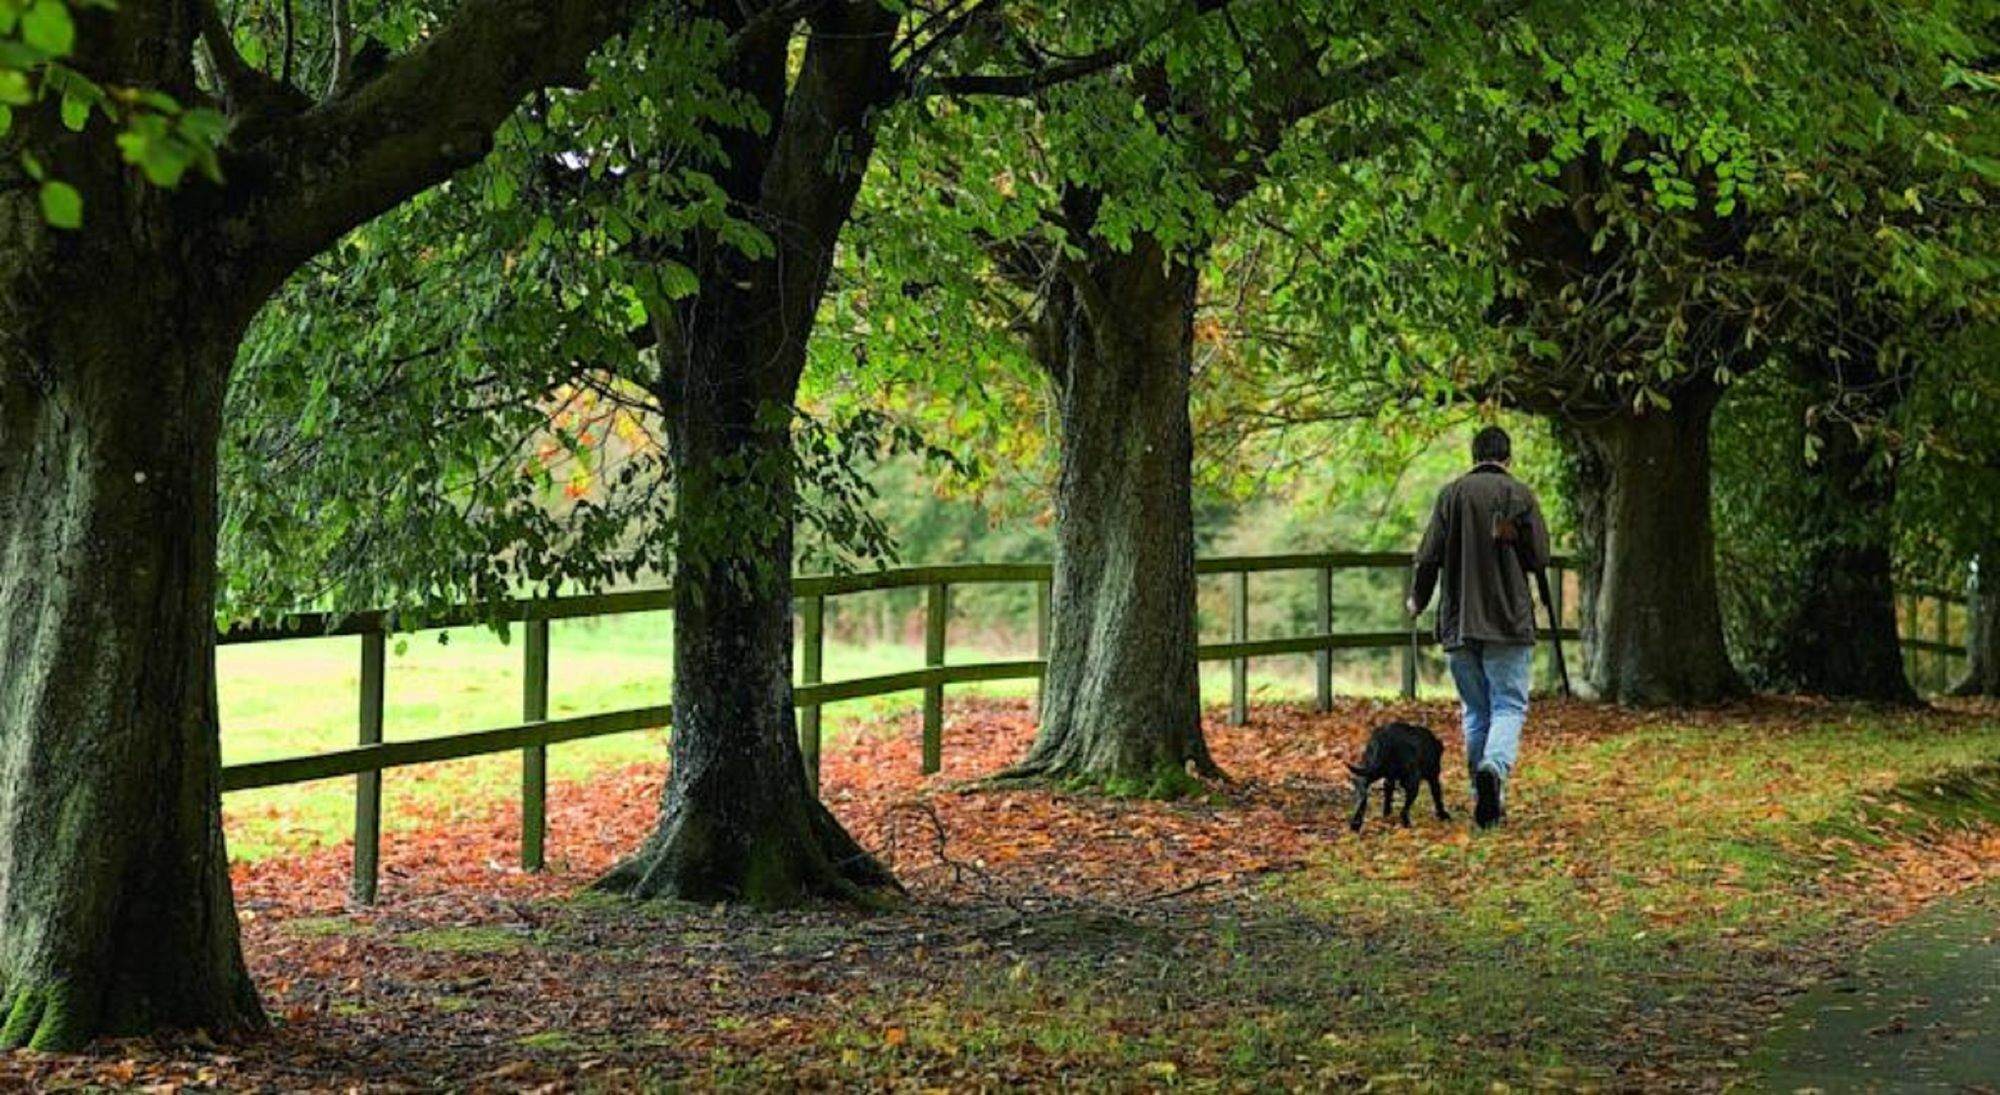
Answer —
(1492, 445)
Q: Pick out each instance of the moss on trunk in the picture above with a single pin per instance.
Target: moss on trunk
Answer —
(115, 906)
(1121, 704)
(1651, 616)
(739, 822)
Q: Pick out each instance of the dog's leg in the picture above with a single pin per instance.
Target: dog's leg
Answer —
(1437, 799)
(1388, 798)
(1409, 800)
(1360, 808)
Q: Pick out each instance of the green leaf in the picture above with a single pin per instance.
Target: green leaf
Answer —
(48, 28)
(6, 119)
(162, 159)
(501, 190)
(15, 90)
(62, 205)
(75, 113)
(18, 56)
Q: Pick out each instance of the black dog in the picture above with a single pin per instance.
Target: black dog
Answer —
(1399, 754)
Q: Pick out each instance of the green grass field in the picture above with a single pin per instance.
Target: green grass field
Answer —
(302, 696)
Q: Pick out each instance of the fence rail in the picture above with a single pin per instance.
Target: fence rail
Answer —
(372, 755)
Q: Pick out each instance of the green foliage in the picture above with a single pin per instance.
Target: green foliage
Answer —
(450, 405)
(1883, 258)
(478, 414)
(154, 131)
(471, 417)
(61, 204)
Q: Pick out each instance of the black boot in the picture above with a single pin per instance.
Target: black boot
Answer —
(1486, 811)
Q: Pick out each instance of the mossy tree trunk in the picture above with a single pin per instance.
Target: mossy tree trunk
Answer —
(1121, 703)
(1836, 632)
(1122, 700)
(114, 887)
(1651, 613)
(116, 341)
(738, 820)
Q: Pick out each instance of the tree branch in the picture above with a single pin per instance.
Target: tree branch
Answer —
(1034, 81)
(291, 41)
(245, 87)
(429, 114)
(343, 48)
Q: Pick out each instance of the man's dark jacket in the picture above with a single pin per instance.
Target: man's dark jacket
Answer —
(1485, 525)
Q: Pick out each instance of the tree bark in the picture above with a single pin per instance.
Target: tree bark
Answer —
(1122, 700)
(116, 342)
(738, 820)
(115, 906)
(1982, 675)
(1651, 615)
(1836, 633)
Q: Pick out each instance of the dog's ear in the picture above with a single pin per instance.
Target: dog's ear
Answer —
(1361, 772)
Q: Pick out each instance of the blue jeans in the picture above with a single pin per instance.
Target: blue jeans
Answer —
(1492, 680)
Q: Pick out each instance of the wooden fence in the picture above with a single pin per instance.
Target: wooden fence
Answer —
(373, 754)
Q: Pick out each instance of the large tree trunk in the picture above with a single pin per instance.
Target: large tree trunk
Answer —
(739, 821)
(115, 906)
(116, 341)
(1982, 675)
(1652, 621)
(1122, 702)
(1836, 634)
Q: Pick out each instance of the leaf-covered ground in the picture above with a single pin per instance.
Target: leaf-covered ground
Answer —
(1666, 884)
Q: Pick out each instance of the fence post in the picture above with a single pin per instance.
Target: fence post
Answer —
(813, 614)
(368, 785)
(1239, 631)
(1410, 651)
(1971, 613)
(1041, 642)
(936, 614)
(1943, 636)
(1556, 605)
(535, 758)
(1324, 659)
(1908, 631)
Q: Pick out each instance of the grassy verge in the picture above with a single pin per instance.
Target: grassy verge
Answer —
(1665, 893)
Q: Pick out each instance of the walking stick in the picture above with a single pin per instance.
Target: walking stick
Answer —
(1555, 629)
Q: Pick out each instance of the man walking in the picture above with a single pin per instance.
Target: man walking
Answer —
(1486, 535)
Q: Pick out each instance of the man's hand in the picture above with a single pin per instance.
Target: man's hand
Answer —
(1410, 607)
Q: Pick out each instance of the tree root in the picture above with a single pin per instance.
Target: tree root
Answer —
(1163, 782)
(1028, 773)
(678, 864)
(45, 1019)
